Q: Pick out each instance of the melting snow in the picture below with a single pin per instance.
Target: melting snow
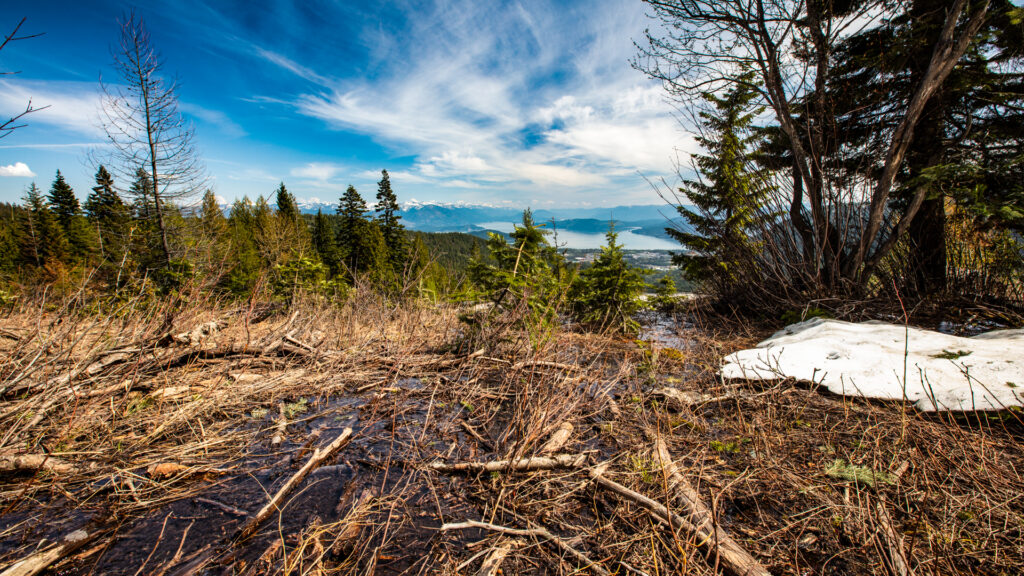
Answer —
(938, 372)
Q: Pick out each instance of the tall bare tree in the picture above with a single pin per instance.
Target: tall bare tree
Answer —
(840, 215)
(145, 127)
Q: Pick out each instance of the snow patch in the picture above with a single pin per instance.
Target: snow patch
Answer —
(938, 372)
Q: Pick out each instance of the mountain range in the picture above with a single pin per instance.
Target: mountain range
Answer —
(649, 220)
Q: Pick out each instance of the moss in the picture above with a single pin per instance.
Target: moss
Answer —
(842, 470)
(299, 407)
(950, 355)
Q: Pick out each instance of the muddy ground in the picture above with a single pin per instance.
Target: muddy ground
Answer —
(160, 441)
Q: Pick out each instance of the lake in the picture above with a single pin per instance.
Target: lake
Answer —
(567, 239)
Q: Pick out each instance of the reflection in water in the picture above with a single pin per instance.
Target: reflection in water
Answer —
(566, 239)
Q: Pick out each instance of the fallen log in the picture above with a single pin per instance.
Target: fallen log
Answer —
(40, 561)
(492, 563)
(557, 439)
(34, 462)
(536, 532)
(893, 542)
(521, 465)
(733, 559)
(225, 507)
(318, 457)
(544, 364)
(282, 426)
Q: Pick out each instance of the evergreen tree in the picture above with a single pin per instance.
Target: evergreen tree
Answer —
(388, 219)
(352, 220)
(212, 237)
(214, 225)
(63, 202)
(244, 256)
(42, 240)
(607, 293)
(64, 206)
(147, 245)
(10, 232)
(374, 258)
(325, 244)
(287, 207)
(528, 270)
(967, 149)
(292, 228)
(110, 216)
(728, 195)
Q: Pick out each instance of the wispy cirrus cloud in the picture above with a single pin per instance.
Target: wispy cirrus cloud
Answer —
(72, 106)
(215, 118)
(482, 94)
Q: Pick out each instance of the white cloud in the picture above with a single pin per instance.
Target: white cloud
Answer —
(318, 171)
(220, 120)
(17, 170)
(525, 106)
(73, 106)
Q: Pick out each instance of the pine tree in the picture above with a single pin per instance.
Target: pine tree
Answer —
(292, 228)
(528, 270)
(374, 259)
(63, 202)
(607, 293)
(351, 246)
(109, 215)
(727, 196)
(64, 206)
(244, 257)
(212, 237)
(212, 217)
(968, 147)
(147, 245)
(42, 240)
(325, 244)
(10, 232)
(388, 219)
(287, 207)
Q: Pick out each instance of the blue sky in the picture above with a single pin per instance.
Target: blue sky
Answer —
(517, 103)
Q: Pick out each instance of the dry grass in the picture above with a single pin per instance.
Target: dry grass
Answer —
(786, 469)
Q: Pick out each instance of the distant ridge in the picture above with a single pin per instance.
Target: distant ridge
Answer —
(432, 216)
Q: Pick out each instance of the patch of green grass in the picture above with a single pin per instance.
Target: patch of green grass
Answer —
(842, 470)
(645, 467)
(138, 404)
(467, 405)
(793, 316)
(950, 355)
(730, 447)
(299, 407)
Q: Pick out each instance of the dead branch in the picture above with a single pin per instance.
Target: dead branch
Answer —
(557, 439)
(40, 561)
(536, 532)
(315, 460)
(734, 560)
(34, 462)
(225, 507)
(533, 463)
(282, 425)
(893, 542)
(544, 364)
(492, 563)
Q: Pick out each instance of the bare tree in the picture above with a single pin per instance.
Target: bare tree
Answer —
(146, 129)
(840, 215)
(12, 123)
